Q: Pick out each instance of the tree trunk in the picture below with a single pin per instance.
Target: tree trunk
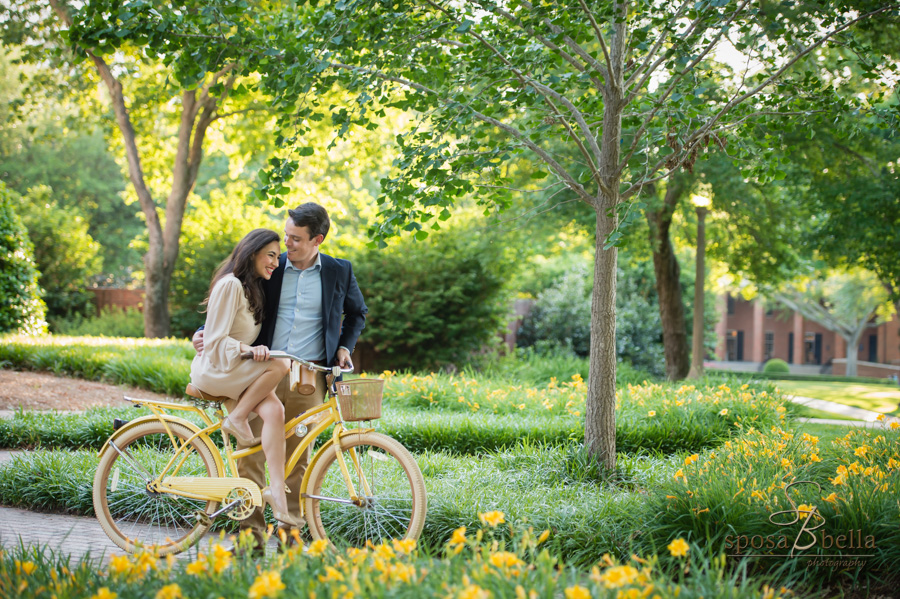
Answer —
(157, 279)
(600, 409)
(852, 356)
(600, 413)
(668, 286)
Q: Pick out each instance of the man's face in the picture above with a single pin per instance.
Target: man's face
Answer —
(301, 248)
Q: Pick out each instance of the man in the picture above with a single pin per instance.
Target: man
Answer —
(306, 297)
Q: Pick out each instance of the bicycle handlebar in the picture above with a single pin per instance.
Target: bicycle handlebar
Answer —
(335, 370)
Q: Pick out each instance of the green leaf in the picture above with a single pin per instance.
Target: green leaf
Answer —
(465, 26)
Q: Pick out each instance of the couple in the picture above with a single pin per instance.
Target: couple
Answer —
(260, 301)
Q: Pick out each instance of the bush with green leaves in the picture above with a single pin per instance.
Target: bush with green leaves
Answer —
(65, 253)
(21, 307)
(776, 366)
(561, 318)
(434, 302)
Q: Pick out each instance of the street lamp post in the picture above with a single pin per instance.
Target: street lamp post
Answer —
(701, 203)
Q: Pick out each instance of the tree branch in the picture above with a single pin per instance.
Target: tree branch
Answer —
(543, 154)
(548, 93)
(573, 45)
(599, 35)
(578, 66)
(135, 173)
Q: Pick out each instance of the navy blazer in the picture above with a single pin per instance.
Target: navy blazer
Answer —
(340, 297)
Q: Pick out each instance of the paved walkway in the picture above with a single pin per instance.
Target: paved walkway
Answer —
(862, 417)
(75, 536)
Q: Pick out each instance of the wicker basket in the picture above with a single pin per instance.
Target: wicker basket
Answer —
(360, 399)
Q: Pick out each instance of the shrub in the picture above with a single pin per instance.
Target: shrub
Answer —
(776, 366)
(437, 301)
(21, 308)
(66, 255)
(561, 319)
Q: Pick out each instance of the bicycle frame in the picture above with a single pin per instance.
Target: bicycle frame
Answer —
(217, 489)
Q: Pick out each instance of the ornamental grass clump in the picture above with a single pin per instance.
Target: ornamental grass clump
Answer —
(782, 502)
(493, 559)
(669, 418)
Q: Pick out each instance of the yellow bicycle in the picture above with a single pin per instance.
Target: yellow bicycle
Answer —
(161, 481)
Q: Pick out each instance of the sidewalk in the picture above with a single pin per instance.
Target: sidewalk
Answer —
(862, 417)
(73, 536)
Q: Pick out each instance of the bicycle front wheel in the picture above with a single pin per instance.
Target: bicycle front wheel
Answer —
(132, 515)
(395, 507)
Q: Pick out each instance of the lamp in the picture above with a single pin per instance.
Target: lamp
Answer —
(701, 202)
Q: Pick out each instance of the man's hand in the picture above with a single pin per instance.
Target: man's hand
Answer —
(343, 358)
(197, 340)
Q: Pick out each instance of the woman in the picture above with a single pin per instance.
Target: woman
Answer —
(233, 320)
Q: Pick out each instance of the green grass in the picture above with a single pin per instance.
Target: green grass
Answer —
(801, 411)
(876, 398)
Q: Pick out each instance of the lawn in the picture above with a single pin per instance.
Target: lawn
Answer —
(700, 467)
(877, 398)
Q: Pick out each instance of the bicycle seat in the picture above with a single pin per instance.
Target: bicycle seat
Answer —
(195, 392)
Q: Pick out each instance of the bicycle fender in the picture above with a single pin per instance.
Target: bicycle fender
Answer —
(217, 456)
(321, 452)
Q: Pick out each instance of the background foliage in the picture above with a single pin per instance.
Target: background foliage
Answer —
(435, 302)
(21, 306)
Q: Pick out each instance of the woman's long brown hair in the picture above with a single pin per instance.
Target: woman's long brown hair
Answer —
(240, 264)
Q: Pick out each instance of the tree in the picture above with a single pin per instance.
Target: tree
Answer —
(196, 106)
(21, 307)
(846, 302)
(631, 86)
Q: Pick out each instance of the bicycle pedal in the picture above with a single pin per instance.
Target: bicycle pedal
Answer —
(203, 518)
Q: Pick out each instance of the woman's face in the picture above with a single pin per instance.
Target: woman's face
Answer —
(266, 260)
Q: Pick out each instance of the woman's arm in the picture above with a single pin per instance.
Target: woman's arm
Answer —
(222, 350)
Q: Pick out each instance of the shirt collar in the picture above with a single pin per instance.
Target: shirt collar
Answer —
(317, 265)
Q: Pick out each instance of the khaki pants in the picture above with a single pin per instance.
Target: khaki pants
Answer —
(254, 466)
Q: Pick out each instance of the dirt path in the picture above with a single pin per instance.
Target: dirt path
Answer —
(45, 391)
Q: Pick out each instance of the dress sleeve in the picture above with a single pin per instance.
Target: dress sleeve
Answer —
(223, 351)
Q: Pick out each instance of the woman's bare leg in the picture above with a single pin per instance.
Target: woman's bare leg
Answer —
(256, 393)
(271, 410)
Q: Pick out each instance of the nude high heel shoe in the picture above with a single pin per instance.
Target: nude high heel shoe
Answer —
(282, 517)
(239, 436)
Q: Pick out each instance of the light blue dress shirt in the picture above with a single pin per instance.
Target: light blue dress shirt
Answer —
(298, 326)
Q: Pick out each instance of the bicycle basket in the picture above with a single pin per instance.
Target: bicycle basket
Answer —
(360, 399)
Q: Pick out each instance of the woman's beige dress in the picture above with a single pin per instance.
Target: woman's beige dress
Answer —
(219, 370)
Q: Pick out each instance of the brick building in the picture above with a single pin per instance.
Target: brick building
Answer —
(749, 333)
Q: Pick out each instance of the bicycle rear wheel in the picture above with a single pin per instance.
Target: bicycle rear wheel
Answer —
(135, 517)
(396, 507)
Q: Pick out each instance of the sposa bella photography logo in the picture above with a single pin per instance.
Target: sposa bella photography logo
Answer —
(813, 540)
